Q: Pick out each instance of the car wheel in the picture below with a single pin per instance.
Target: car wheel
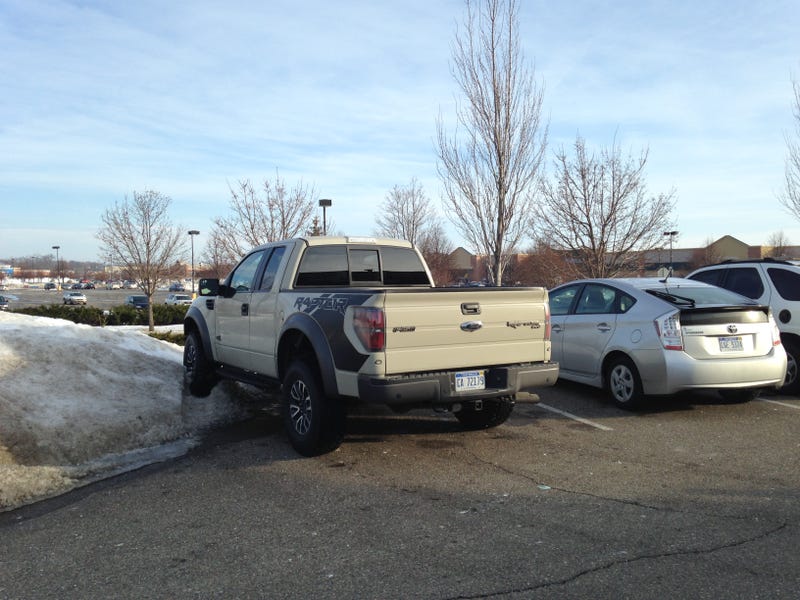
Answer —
(198, 371)
(485, 413)
(623, 383)
(737, 396)
(791, 385)
(314, 423)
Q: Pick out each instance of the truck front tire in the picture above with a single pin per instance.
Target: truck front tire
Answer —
(198, 372)
(315, 424)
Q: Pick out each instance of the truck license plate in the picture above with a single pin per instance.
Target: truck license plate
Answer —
(731, 344)
(470, 380)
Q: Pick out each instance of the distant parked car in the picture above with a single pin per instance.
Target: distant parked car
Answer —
(88, 285)
(139, 302)
(4, 302)
(178, 299)
(128, 285)
(768, 281)
(74, 298)
(113, 285)
(648, 336)
(50, 286)
(177, 287)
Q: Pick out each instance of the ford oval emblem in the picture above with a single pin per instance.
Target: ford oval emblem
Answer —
(471, 326)
(732, 328)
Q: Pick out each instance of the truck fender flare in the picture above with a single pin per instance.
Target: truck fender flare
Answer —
(319, 343)
(194, 321)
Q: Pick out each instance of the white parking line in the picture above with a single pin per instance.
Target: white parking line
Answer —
(797, 406)
(574, 417)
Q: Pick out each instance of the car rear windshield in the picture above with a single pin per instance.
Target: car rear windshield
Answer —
(341, 265)
(700, 296)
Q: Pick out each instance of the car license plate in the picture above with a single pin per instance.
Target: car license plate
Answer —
(731, 344)
(470, 380)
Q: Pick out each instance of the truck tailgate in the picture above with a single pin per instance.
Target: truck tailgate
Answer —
(451, 328)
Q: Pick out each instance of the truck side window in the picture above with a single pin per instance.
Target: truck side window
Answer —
(268, 279)
(323, 266)
(242, 277)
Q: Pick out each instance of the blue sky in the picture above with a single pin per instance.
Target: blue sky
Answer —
(103, 98)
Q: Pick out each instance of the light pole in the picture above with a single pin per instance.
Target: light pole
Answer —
(192, 233)
(58, 266)
(671, 235)
(325, 203)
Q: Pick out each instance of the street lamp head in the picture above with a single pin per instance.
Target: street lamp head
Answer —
(325, 201)
(56, 247)
(194, 232)
(670, 233)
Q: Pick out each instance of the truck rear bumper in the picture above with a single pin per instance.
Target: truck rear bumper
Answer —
(439, 387)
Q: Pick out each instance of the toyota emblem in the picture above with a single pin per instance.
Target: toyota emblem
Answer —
(732, 328)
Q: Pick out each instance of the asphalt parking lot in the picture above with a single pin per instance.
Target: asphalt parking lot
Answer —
(572, 497)
(101, 298)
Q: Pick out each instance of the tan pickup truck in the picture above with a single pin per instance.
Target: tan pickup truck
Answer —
(334, 320)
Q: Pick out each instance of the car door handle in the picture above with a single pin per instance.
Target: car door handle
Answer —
(245, 309)
(603, 327)
(556, 329)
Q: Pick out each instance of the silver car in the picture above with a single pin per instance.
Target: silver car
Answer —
(649, 336)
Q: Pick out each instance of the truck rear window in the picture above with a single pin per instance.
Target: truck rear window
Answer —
(323, 266)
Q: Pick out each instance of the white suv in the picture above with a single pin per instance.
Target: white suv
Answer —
(772, 282)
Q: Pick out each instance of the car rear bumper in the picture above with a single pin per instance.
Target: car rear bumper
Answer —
(678, 371)
(439, 387)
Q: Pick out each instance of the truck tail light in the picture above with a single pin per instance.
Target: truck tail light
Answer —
(369, 324)
(547, 326)
(668, 328)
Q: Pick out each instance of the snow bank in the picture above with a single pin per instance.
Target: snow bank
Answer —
(78, 403)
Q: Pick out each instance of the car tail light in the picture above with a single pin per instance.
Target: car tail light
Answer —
(668, 328)
(776, 333)
(369, 324)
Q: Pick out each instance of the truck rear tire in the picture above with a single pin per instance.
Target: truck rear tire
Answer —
(492, 412)
(315, 424)
(198, 372)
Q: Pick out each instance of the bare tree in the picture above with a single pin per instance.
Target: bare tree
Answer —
(140, 236)
(279, 214)
(778, 244)
(544, 266)
(215, 258)
(436, 248)
(406, 213)
(490, 176)
(790, 196)
(597, 208)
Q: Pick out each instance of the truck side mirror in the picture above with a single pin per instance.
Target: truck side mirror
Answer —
(208, 287)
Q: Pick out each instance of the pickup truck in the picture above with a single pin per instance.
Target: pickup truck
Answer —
(335, 320)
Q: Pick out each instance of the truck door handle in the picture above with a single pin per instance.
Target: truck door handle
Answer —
(245, 309)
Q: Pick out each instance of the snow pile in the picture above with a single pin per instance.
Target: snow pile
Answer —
(78, 403)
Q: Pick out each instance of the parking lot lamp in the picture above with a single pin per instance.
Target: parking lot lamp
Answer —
(325, 203)
(192, 233)
(58, 266)
(671, 235)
